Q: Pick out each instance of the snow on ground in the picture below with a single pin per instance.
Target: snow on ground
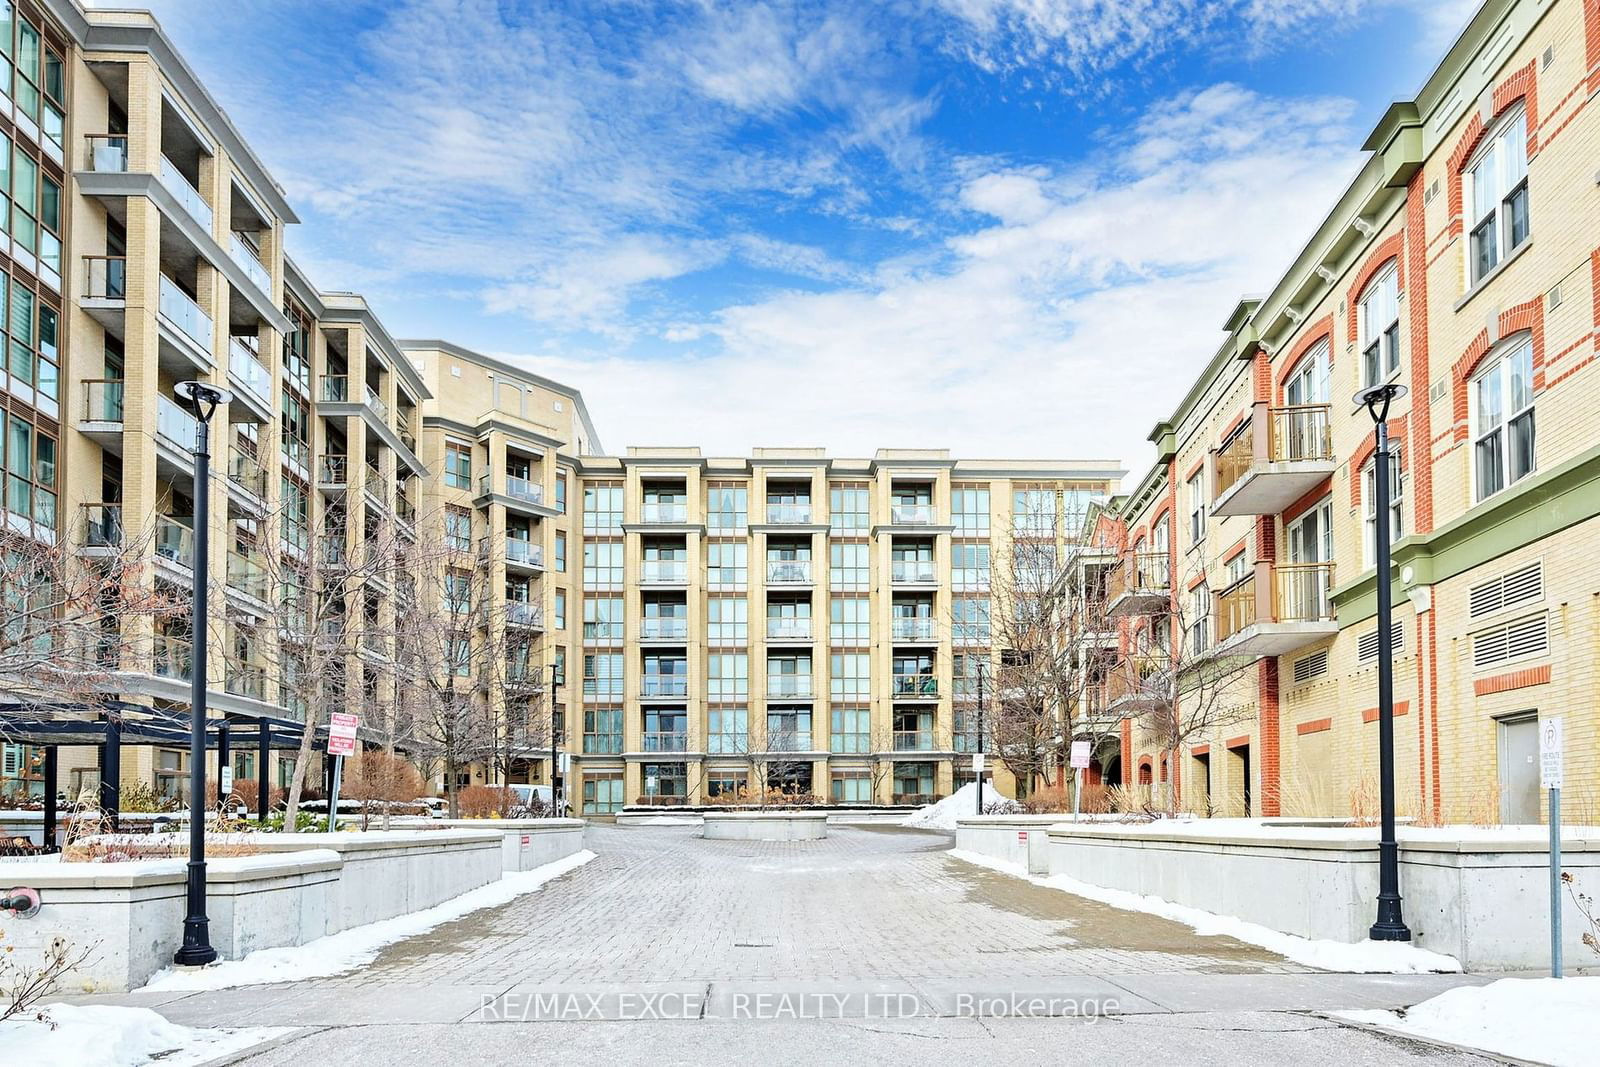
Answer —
(960, 804)
(1334, 830)
(1550, 1020)
(106, 1036)
(1365, 957)
(349, 949)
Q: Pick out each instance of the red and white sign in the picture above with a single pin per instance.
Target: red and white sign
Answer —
(1022, 837)
(1080, 754)
(527, 839)
(342, 728)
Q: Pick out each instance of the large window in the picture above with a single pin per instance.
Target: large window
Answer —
(728, 730)
(458, 529)
(1380, 327)
(602, 675)
(1197, 507)
(727, 621)
(727, 506)
(602, 794)
(970, 505)
(969, 619)
(602, 507)
(849, 565)
(457, 465)
(849, 620)
(727, 564)
(969, 562)
(602, 731)
(851, 676)
(1369, 502)
(848, 508)
(851, 730)
(602, 620)
(728, 676)
(30, 464)
(602, 563)
(1033, 512)
(1502, 419)
(1498, 180)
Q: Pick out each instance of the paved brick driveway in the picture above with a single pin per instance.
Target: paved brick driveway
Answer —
(660, 904)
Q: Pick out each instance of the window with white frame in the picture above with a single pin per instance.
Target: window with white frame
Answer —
(727, 620)
(1200, 618)
(1369, 502)
(1380, 326)
(850, 620)
(727, 676)
(1502, 418)
(1497, 180)
(1197, 507)
(850, 676)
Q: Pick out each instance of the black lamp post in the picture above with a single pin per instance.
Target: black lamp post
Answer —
(978, 771)
(202, 399)
(555, 672)
(1390, 925)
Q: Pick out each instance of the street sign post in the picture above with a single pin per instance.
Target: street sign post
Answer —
(342, 727)
(1079, 760)
(1551, 744)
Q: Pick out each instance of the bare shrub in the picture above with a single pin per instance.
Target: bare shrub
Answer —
(24, 982)
(1585, 903)
(485, 802)
(1363, 802)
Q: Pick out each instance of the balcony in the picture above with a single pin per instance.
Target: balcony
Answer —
(250, 262)
(663, 628)
(1283, 454)
(602, 744)
(248, 372)
(332, 550)
(185, 193)
(174, 541)
(666, 741)
(247, 576)
(918, 686)
(333, 473)
(913, 741)
(912, 514)
(174, 425)
(105, 280)
(788, 572)
(789, 686)
(247, 474)
(787, 739)
(1135, 686)
(788, 629)
(524, 614)
(789, 514)
(664, 686)
(102, 527)
(913, 572)
(1139, 584)
(913, 628)
(664, 572)
(664, 511)
(107, 153)
(524, 553)
(524, 489)
(171, 657)
(103, 401)
(246, 681)
(1275, 610)
(179, 310)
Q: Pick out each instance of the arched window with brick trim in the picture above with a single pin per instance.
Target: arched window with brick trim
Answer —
(1502, 420)
(1497, 195)
(1379, 325)
(1307, 382)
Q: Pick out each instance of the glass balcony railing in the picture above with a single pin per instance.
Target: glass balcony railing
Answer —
(371, 398)
(788, 571)
(518, 488)
(174, 540)
(248, 370)
(788, 629)
(664, 685)
(333, 470)
(247, 473)
(178, 308)
(174, 424)
(913, 629)
(788, 685)
(664, 571)
(789, 514)
(911, 514)
(102, 525)
(171, 656)
(666, 741)
(247, 576)
(102, 400)
(913, 571)
(105, 277)
(333, 550)
(913, 740)
(519, 550)
(335, 389)
(916, 685)
(664, 511)
(244, 254)
(185, 193)
(522, 613)
(658, 628)
(107, 153)
(246, 681)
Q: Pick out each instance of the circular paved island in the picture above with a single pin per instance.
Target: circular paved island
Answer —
(765, 826)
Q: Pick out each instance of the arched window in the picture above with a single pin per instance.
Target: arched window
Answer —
(1502, 417)
(1308, 382)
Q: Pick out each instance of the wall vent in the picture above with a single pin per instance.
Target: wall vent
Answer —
(1552, 299)
(1367, 643)
(1437, 390)
(1522, 586)
(1549, 57)
(1309, 667)
(1514, 640)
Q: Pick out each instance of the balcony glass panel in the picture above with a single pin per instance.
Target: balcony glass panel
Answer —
(178, 309)
(108, 153)
(788, 570)
(175, 424)
(248, 370)
(174, 540)
(244, 255)
(665, 571)
(105, 277)
(185, 194)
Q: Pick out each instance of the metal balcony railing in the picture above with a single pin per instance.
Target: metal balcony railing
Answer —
(659, 628)
(788, 571)
(1140, 572)
(664, 571)
(911, 514)
(789, 514)
(107, 153)
(333, 470)
(1297, 432)
(912, 571)
(105, 277)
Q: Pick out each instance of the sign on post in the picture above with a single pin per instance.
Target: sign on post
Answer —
(1080, 755)
(225, 783)
(563, 763)
(342, 728)
(1551, 743)
(977, 763)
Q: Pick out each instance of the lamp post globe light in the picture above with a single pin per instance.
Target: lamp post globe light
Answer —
(202, 399)
(1390, 925)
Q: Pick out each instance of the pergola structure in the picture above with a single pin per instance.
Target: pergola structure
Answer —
(112, 725)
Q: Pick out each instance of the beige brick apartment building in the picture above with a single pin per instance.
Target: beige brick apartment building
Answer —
(1463, 262)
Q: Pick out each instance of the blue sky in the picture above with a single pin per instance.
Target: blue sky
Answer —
(1005, 227)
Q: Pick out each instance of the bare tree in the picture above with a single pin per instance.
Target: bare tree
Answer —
(774, 754)
(1182, 685)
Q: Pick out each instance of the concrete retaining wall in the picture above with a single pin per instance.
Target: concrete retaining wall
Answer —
(1023, 840)
(1478, 895)
(766, 826)
(299, 888)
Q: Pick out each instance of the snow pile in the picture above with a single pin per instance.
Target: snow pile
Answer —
(958, 805)
(106, 1036)
(1549, 1020)
(360, 945)
(1362, 957)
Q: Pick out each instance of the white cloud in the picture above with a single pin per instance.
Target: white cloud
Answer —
(1063, 329)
